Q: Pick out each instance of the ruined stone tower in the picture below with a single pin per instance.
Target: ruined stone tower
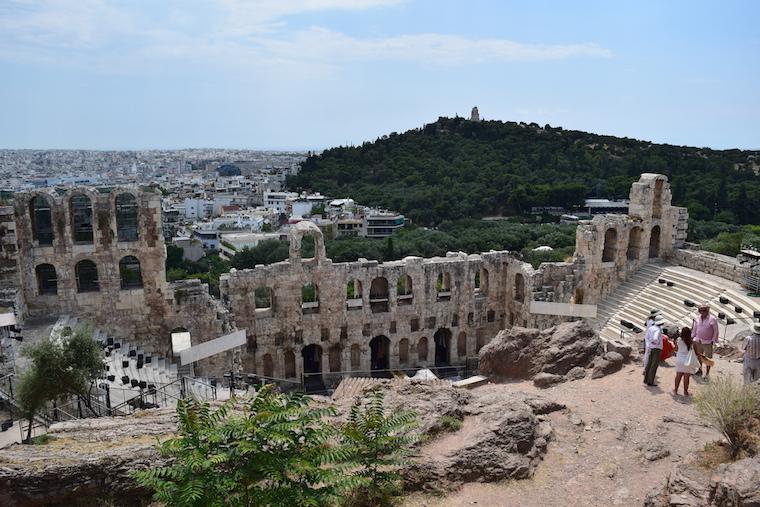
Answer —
(475, 115)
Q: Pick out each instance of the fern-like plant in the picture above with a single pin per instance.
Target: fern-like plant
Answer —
(379, 445)
(273, 450)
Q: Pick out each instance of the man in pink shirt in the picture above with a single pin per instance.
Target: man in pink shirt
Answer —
(704, 332)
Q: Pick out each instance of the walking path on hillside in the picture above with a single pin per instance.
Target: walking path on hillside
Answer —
(597, 455)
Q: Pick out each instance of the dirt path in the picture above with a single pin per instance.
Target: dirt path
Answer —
(597, 456)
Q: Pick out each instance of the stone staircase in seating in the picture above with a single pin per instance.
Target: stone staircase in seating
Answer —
(677, 293)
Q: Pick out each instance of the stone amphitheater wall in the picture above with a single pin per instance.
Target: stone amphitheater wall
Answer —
(448, 308)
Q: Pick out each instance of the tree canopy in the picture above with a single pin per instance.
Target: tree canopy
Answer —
(455, 168)
(59, 369)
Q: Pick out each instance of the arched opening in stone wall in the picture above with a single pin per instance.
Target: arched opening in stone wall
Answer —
(42, 220)
(354, 289)
(267, 366)
(480, 339)
(262, 298)
(130, 273)
(126, 217)
(289, 364)
(81, 218)
(422, 350)
(356, 357)
(610, 245)
(462, 345)
(312, 368)
(87, 276)
(380, 356)
(519, 288)
(484, 281)
(654, 242)
(308, 247)
(443, 286)
(578, 296)
(47, 281)
(333, 357)
(442, 340)
(404, 290)
(657, 199)
(634, 244)
(403, 351)
(378, 295)
(310, 298)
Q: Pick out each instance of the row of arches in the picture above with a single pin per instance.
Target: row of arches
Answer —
(379, 295)
(380, 353)
(633, 249)
(87, 276)
(81, 218)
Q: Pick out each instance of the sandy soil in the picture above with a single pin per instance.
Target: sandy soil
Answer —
(597, 457)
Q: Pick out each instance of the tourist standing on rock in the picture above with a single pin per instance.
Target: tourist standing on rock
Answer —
(654, 346)
(752, 355)
(704, 332)
(683, 368)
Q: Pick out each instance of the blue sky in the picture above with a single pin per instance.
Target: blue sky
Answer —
(310, 74)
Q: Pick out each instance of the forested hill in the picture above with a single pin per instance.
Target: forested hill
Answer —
(455, 168)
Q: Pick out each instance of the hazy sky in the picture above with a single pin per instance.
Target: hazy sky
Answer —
(310, 74)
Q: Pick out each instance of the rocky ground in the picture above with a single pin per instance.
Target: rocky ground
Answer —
(616, 441)
(592, 435)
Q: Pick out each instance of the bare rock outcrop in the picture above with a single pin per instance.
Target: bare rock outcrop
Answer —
(430, 400)
(523, 353)
(730, 485)
(503, 436)
(85, 461)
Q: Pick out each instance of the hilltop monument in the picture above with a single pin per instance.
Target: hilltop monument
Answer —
(475, 115)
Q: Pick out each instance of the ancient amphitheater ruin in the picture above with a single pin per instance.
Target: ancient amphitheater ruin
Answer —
(307, 323)
(99, 255)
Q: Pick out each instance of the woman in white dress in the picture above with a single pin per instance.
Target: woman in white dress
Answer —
(683, 347)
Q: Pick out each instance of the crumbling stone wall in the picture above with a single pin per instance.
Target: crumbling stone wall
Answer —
(9, 281)
(723, 266)
(127, 311)
(438, 322)
(613, 247)
(409, 322)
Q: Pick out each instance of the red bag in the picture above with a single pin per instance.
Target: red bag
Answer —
(667, 349)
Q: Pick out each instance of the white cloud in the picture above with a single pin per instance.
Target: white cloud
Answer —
(254, 16)
(440, 49)
(238, 33)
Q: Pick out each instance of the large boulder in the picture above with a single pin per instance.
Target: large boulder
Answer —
(522, 353)
(622, 348)
(503, 436)
(610, 362)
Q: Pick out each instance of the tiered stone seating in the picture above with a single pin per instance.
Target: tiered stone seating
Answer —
(676, 293)
(129, 370)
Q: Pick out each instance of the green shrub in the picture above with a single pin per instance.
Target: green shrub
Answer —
(378, 445)
(41, 439)
(449, 423)
(728, 407)
(276, 450)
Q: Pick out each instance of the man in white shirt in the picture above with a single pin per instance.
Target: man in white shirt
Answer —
(654, 347)
(653, 313)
